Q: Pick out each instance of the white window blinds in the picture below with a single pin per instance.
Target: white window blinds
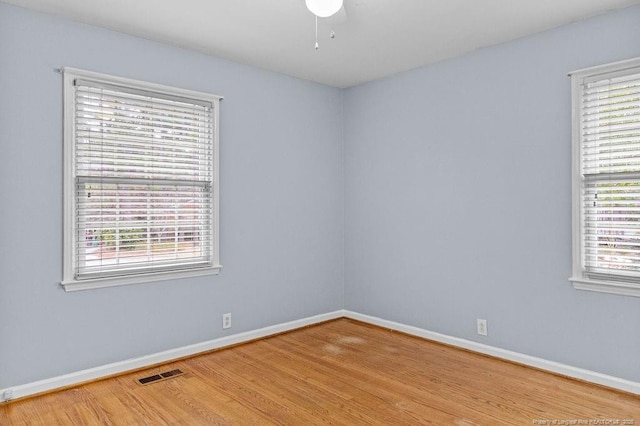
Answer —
(610, 171)
(144, 181)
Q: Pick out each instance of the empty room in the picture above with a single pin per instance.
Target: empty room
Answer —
(301, 212)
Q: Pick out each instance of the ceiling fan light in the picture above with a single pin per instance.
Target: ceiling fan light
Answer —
(324, 8)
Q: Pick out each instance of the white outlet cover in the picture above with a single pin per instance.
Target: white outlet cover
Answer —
(482, 327)
(226, 321)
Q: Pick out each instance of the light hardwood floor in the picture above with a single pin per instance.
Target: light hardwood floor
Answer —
(341, 372)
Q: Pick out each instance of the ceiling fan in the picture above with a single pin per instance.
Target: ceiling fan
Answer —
(325, 9)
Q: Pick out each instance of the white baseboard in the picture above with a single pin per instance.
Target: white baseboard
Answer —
(90, 374)
(543, 364)
(83, 376)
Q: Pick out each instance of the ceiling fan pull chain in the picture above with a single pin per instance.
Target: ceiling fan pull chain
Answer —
(332, 34)
(316, 32)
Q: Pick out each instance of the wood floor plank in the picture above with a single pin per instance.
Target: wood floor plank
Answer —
(341, 372)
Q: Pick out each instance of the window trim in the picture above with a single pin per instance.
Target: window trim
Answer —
(69, 282)
(579, 278)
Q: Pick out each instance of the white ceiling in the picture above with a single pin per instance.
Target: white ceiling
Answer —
(374, 38)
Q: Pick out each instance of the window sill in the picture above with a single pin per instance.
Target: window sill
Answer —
(76, 285)
(611, 287)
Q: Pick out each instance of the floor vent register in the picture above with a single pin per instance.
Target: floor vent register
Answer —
(158, 377)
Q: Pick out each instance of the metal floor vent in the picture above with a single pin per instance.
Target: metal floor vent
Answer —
(161, 376)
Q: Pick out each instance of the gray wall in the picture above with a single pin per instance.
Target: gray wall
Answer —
(281, 204)
(458, 199)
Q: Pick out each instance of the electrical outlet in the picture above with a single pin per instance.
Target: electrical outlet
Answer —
(226, 320)
(482, 327)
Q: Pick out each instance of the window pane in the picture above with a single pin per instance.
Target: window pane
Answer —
(141, 225)
(612, 225)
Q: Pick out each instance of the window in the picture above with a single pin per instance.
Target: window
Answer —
(141, 181)
(606, 178)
